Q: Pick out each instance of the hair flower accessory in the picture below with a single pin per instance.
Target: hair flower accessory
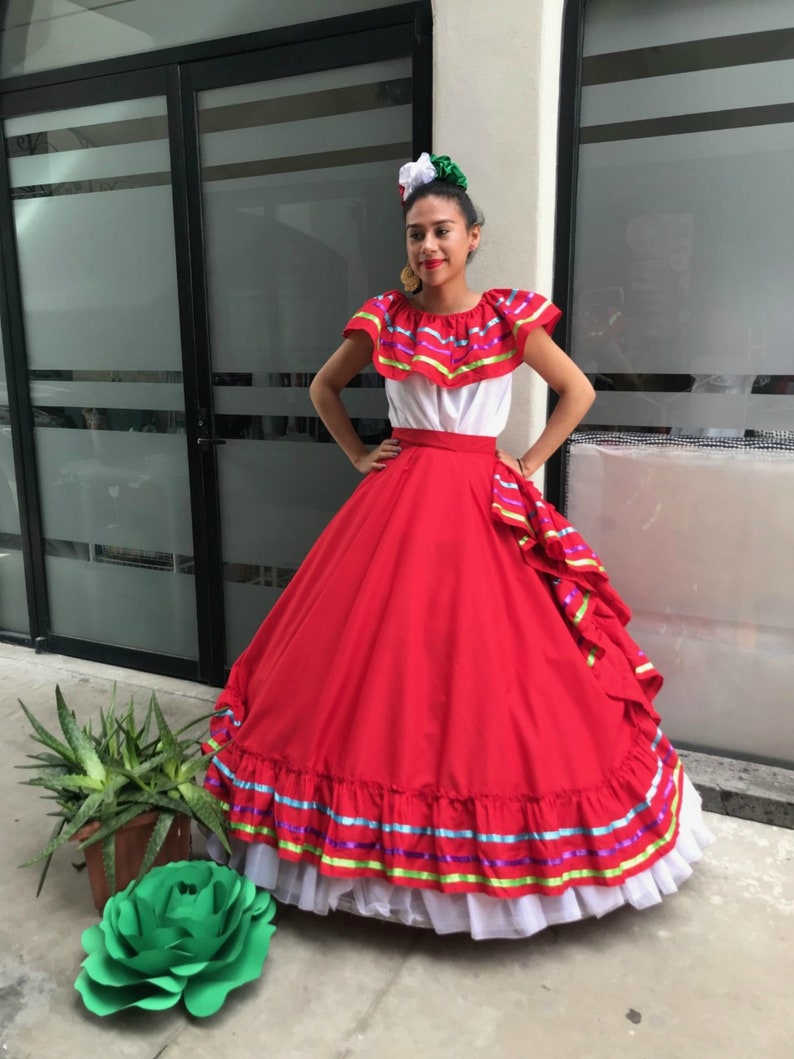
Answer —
(413, 174)
(448, 170)
(191, 929)
(429, 167)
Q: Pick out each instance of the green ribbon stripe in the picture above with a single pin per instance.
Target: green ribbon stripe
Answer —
(527, 880)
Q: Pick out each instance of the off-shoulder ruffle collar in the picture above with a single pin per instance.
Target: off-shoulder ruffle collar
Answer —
(452, 349)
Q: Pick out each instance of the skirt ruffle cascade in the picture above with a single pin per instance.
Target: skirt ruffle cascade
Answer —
(444, 721)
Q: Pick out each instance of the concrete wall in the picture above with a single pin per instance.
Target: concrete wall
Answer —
(497, 70)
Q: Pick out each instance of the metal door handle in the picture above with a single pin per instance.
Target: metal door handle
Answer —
(206, 442)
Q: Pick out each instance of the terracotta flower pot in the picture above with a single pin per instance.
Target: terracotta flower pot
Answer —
(131, 843)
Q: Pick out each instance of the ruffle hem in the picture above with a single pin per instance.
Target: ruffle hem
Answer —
(484, 917)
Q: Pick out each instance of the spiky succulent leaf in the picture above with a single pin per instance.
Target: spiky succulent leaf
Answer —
(109, 860)
(158, 836)
(85, 813)
(147, 765)
(48, 859)
(45, 759)
(206, 810)
(144, 732)
(192, 724)
(107, 743)
(47, 738)
(109, 825)
(68, 782)
(78, 740)
(157, 800)
(167, 738)
(190, 768)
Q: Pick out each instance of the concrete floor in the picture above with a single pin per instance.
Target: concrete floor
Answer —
(707, 974)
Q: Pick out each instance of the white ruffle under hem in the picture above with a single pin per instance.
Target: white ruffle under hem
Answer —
(480, 915)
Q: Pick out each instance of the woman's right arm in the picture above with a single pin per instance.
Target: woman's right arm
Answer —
(350, 358)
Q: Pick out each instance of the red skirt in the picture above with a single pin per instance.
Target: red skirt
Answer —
(445, 695)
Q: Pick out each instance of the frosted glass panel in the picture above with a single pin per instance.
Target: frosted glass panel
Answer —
(148, 610)
(95, 236)
(271, 517)
(123, 489)
(89, 391)
(13, 599)
(624, 24)
(686, 533)
(302, 226)
(43, 34)
(717, 404)
(682, 309)
(758, 84)
(683, 319)
(9, 507)
(93, 209)
(245, 604)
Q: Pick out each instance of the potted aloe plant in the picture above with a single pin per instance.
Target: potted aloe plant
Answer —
(126, 792)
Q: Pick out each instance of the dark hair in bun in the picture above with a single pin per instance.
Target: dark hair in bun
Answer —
(444, 189)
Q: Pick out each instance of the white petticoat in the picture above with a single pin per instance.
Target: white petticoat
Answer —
(480, 915)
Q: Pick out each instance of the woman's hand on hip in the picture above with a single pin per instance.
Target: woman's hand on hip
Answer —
(512, 462)
(377, 459)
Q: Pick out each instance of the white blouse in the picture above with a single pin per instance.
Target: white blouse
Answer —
(480, 408)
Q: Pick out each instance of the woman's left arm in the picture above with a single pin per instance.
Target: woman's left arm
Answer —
(572, 387)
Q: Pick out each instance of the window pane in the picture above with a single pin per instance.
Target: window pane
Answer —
(13, 601)
(94, 227)
(302, 225)
(92, 202)
(683, 319)
(46, 34)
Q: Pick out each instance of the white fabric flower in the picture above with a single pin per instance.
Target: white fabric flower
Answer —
(414, 174)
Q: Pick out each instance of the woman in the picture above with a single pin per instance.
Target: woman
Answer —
(443, 720)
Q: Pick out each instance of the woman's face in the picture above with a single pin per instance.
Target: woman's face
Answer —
(438, 241)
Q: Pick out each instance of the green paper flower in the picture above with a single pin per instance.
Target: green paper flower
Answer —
(191, 928)
(448, 170)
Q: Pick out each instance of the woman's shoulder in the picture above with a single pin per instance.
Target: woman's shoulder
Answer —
(518, 303)
(374, 313)
(386, 302)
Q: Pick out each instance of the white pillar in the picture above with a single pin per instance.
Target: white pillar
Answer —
(496, 87)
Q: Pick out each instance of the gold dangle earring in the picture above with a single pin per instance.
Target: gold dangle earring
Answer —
(410, 280)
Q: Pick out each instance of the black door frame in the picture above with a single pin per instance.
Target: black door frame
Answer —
(287, 60)
(178, 73)
(565, 220)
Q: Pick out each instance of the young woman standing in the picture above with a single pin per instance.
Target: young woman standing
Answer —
(443, 720)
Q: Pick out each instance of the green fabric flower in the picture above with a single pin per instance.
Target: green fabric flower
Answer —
(448, 170)
(191, 928)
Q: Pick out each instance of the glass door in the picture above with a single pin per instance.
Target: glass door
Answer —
(301, 224)
(94, 226)
(184, 261)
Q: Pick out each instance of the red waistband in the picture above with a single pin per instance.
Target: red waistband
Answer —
(443, 439)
